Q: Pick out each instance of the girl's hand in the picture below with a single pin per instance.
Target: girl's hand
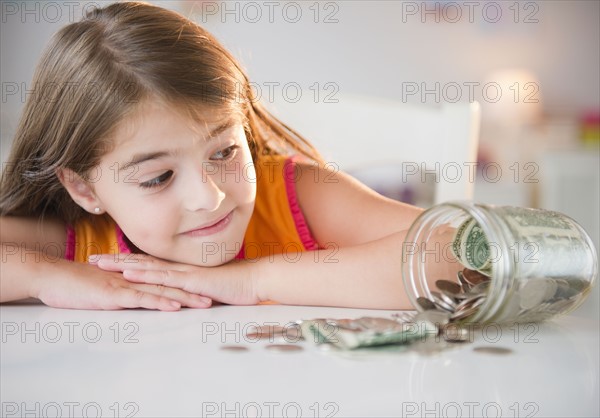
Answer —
(231, 283)
(82, 286)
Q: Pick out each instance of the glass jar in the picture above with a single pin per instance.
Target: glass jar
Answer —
(499, 264)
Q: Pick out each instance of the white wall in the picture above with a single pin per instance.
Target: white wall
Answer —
(375, 47)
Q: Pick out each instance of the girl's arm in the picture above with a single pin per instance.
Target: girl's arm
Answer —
(33, 266)
(26, 243)
(362, 233)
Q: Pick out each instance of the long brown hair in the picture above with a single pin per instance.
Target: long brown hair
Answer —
(96, 72)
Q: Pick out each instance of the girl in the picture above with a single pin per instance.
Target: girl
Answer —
(145, 174)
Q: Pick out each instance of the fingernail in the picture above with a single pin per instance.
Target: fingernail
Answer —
(94, 258)
(205, 301)
(175, 304)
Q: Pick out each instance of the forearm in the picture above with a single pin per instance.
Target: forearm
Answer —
(19, 270)
(363, 276)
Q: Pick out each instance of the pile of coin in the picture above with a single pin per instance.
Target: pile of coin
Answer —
(538, 299)
(461, 299)
(531, 299)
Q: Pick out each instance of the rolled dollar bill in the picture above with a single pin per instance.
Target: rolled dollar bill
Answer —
(543, 244)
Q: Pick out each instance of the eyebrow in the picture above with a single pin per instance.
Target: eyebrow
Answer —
(147, 156)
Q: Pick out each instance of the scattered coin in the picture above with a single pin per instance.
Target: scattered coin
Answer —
(234, 348)
(284, 348)
(493, 350)
(455, 334)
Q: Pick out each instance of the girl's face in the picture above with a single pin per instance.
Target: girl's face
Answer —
(180, 190)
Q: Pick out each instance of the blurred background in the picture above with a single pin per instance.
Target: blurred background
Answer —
(534, 67)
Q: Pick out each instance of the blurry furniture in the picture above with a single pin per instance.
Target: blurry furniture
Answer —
(382, 141)
(570, 183)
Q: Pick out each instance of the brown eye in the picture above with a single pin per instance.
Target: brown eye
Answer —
(226, 154)
(157, 181)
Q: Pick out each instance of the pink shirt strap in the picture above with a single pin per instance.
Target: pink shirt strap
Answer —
(301, 225)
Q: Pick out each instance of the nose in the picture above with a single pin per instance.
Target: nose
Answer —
(202, 192)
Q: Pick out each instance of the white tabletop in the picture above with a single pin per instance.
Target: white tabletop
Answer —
(142, 363)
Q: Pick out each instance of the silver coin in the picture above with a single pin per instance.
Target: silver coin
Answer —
(563, 288)
(262, 332)
(467, 303)
(493, 350)
(578, 285)
(455, 334)
(425, 303)
(448, 287)
(433, 316)
(510, 309)
(263, 335)
(284, 348)
(532, 293)
(467, 309)
(440, 301)
(430, 346)
(551, 287)
(234, 348)
(480, 289)
(447, 299)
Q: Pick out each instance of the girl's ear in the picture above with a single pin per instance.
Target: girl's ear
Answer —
(80, 190)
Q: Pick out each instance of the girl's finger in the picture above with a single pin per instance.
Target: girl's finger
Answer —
(133, 298)
(191, 300)
(120, 262)
(168, 278)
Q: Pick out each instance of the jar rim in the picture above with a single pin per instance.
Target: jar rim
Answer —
(495, 230)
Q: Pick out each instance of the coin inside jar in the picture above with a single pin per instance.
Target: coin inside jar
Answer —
(447, 286)
(425, 303)
(474, 277)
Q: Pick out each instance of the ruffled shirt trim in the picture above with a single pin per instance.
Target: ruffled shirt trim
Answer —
(70, 245)
(123, 247)
(289, 175)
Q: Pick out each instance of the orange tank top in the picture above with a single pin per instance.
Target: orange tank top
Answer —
(277, 224)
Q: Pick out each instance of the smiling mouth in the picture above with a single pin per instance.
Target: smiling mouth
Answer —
(212, 228)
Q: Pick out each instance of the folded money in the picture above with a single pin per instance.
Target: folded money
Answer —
(349, 334)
